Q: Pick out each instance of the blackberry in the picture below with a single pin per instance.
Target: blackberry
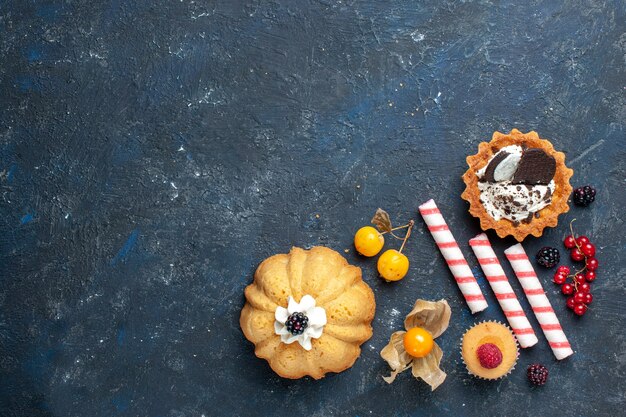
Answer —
(537, 374)
(296, 323)
(548, 257)
(583, 196)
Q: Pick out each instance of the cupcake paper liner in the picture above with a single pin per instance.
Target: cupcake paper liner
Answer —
(516, 351)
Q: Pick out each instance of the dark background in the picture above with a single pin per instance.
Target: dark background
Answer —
(152, 153)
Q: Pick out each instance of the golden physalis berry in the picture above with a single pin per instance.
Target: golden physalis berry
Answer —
(368, 241)
(393, 265)
(418, 342)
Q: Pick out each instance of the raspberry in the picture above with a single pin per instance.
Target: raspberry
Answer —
(489, 355)
(548, 257)
(537, 374)
(296, 323)
(583, 196)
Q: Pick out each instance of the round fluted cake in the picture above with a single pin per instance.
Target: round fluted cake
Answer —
(308, 312)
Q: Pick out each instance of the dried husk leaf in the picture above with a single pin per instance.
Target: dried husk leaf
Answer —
(428, 369)
(395, 355)
(433, 316)
(382, 221)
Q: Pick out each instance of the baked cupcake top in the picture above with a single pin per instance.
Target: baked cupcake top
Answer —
(489, 350)
(517, 184)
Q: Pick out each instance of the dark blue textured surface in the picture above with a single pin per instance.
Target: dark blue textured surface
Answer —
(152, 153)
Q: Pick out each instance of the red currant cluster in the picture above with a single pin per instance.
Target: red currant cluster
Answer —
(579, 291)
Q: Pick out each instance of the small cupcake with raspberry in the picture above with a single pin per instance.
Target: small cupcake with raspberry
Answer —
(489, 350)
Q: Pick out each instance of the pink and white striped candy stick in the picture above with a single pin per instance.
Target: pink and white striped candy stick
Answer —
(453, 256)
(502, 289)
(538, 301)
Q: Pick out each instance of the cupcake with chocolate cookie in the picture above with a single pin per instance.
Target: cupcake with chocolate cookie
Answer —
(517, 184)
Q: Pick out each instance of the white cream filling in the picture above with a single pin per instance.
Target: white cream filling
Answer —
(514, 202)
(510, 163)
(507, 167)
(503, 200)
(315, 326)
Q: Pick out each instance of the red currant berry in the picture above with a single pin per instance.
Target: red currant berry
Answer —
(579, 297)
(577, 255)
(588, 298)
(579, 278)
(569, 242)
(559, 278)
(590, 276)
(581, 240)
(588, 249)
(580, 309)
(570, 303)
(592, 264)
(567, 289)
(563, 269)
(584, 287)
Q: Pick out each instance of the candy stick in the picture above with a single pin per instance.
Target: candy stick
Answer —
(453, 256)
(538, 301)
(502, 289)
